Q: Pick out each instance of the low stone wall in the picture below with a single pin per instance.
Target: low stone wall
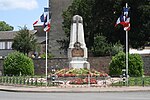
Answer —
(56, 62)
(98, 63)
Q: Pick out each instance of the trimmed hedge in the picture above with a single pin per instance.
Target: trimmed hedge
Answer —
(17, 63)
(118, 63)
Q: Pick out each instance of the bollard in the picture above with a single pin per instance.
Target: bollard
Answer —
(124, 81)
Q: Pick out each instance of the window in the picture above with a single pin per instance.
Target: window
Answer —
(9, 45)
(2, 45)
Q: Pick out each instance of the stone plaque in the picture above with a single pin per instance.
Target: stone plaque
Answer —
(77, 52)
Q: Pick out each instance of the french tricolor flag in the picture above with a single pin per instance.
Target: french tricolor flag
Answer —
(44, 20)
(124, 20)
(46, 24)
(40, 21)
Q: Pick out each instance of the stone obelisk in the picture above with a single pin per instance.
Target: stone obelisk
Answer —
(77, 51)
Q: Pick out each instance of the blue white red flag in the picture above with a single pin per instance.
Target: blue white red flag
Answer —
(124, 19)
(47, 20)
(46, 24)
(44, 20)
(39, 21)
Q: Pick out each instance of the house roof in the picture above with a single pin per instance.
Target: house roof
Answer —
(9, 35)
(5, 35)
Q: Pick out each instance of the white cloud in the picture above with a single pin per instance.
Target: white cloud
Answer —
(18, 4)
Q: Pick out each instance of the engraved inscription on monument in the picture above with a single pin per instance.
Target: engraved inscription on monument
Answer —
(77, 52)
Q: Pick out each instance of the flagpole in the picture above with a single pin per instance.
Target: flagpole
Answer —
(127, 56)
(46, 49)
(127, 53)
(46, 58)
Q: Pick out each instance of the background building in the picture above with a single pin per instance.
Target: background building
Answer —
(56, 33)
(6, 40)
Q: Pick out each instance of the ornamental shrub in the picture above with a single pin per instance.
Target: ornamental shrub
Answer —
(135, 66)
(17, 63)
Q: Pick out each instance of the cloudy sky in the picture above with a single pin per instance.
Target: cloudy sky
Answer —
(21, 12)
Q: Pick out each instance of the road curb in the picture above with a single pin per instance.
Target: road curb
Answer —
(73, 90)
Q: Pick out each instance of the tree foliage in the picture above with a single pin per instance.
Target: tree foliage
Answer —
(99, 18)
(116, 48)
(5, 27)
(118, 63)
(101, 47)
(17, 63)
(24, 41)
(84, 9)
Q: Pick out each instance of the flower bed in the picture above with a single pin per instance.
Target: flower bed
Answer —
(83, 81)
(80, 72)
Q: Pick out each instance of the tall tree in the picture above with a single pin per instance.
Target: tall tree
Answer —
(5, 27)
(140, 23)
(24, 41)
(84, 9)
(99, 18)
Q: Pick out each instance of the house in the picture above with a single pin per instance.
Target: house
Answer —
(6, 40)
(56, 33)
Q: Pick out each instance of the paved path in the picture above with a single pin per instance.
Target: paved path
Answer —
(78, 89)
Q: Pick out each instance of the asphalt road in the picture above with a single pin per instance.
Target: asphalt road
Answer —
(75, 96)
